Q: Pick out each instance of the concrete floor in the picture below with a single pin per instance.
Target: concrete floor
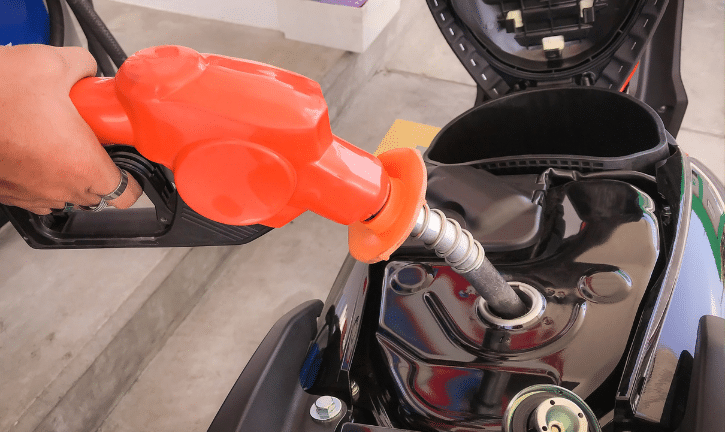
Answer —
(185, 383)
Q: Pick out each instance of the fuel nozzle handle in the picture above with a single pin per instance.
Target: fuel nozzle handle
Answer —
(250, 143)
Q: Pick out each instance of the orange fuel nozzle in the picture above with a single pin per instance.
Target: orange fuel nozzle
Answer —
(250, 143)
(375, 239)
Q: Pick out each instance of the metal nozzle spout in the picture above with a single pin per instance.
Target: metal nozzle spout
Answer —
(466, 256)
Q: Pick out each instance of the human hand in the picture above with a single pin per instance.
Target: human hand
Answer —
(49, 156)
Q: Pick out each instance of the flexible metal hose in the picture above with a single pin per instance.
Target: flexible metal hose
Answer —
(466, 256)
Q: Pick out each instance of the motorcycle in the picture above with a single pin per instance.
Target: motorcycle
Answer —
(611, 236)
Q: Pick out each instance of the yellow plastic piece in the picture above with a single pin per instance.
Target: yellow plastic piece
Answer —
(408, 134)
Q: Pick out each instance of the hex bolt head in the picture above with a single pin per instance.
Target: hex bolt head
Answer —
(326, 408)
(324, 404)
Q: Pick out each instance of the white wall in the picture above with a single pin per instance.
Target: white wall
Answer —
(257, 13)
(334, 26)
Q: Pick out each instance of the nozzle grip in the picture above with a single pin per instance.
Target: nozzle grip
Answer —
(169, 223)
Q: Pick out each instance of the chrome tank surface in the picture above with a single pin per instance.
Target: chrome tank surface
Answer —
(656, 382)
(454, 370)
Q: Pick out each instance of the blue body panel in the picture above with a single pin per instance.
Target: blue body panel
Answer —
(24, 22)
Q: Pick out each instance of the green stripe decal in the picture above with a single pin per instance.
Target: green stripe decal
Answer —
(714, 236)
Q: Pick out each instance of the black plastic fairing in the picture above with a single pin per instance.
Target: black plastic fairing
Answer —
(498, 210)
(588, 29)
(267, 397)
(328, 362)
(656, 379)
(658, 81)
(602, 43)
(706, 400)
(582, 128)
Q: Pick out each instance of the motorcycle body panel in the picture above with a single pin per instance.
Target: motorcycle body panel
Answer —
(423, 359)
(656, 383)
(616, 230)
(457, 368)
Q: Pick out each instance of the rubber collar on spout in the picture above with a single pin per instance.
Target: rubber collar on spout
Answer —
(375, 240)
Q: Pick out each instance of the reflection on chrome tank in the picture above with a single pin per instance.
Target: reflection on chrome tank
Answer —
(456, 368)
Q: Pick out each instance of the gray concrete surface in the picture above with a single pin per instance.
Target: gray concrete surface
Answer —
(132, 341)
(424, 52)
(703, 72)
(183, 386)
(392, 95)
(53, 307)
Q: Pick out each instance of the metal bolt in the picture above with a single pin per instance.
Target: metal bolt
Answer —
(324, 405)
(354, 390)
(326, 408)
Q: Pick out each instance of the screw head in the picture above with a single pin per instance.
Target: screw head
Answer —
(326, 408)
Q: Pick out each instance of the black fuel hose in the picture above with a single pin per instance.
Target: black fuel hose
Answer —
(57, 23)
(105, 67)
(85, 14)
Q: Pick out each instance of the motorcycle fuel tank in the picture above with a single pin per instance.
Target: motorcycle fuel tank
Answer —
(457, 368)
